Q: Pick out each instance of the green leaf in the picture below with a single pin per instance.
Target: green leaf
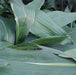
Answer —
(44, 26)
(71, 32)
(62, 18)
(7, 29)
(35, 62)
(30, 57)
(47, 40)
(24, 18)
(32, 44)
(35, 4)
(69, 54)
(20, 18)
(72, 35)
(25, 46)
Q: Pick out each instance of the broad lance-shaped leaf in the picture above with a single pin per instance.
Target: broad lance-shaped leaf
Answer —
(7, 29)
(62, 18)
(20, 18)
(25, 46)
(49, 40)
(32, 45)
(44, 26)
(35, 62)
(52, 39)
(35, 4)
(69, 54)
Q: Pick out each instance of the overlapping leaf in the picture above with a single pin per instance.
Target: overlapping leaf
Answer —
(47, 28)
(40, 25)
(69, 54)
(62, 18)
(22, 29)
(35, 62)
(35, 4)
(42, 21)
(7, 29)
(24, 16)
